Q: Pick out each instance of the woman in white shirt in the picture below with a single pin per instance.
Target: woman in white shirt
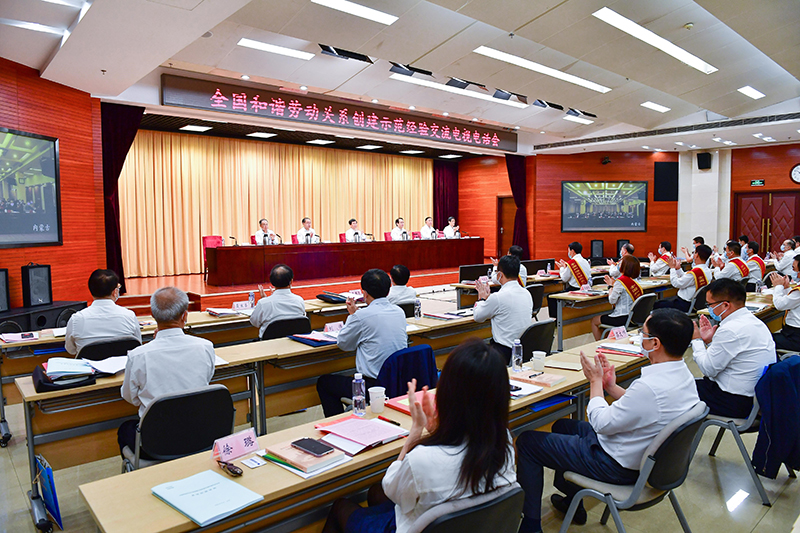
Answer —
(622, 293)
(466, 452)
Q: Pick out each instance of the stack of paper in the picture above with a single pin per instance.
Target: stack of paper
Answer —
(286, 453)
(354, 435)
(221, 312)
(525, 389)
(618, 348)
(18, 337)
(62, 367)
(110, 365)
(541, 379)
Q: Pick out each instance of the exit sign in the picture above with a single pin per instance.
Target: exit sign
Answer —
(756, 183)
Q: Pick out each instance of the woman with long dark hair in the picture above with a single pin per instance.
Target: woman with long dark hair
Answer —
(467, 451)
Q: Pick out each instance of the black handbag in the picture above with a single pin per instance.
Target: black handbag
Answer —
(42, 383)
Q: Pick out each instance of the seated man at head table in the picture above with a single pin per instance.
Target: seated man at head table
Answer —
(744, 242)
(264, 235)
(353, 234)
(787, 299)
(282, 304)
(451, 230)
(610, 445)
(399, 233)
(756, 265)
(401, 293)
(172, 362)
(428, 231)
(737, 352)
(516, 251)
(786, 258)
(575, 272)
(375, 332)
(307, 234)
(103, 320)
(735, 269)
(627, 249)
(660, 265)
(510, 309)
(687, 283)
(622, 293)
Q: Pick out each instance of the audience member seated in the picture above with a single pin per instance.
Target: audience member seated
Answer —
(609, 447)
(627, 249)
(467, 450)
(516, 251)
(282, 304)
(103, 320)
(735, 268)
(307, 234)
(509, 309)
(172, 362)
(739, 349)
(786, 258)
(756, 266)
(786, 299)
(264, 235)
(687, 283)
(575, 272)
(399, 232)
(744, 243)
(696, 242)
(428, 231)
(623, 292)
(451, 230)
(660, 265)
(375, 332)
(400, 293)
(353, 234)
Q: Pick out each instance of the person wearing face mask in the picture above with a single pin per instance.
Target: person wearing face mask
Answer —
(735, 269)
(575, 272)
(687, 283)
(744, 242)
(660, 265)
(786, 258)
(696, 242)
(785, 298)
(609, 446)
(737, 352)
(756, 266)
(626, 249)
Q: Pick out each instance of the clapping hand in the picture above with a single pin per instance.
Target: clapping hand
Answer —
(610, 262)
(686, 253)
(777, 279)
(592, 369)
(561, 263)
(494, 261)
(609, 372)
(261, 291)
(609, 280)
(423, 414)
(704, 329)
(719, 262)
(674, 263)
(652, 257)
(483, 289)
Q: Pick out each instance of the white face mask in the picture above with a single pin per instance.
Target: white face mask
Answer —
(645, 351)
(783, 247)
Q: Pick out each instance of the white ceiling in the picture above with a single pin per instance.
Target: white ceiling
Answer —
(751, 43)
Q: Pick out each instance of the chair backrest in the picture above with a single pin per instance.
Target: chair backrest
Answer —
(537, 293)
(416, 235)
(103, 350)
(9, 326)
(387, 235)
(408, 309)
(498, 515)
(538, 338)
(342, 237)
(252, 239)
(598, 280)
(284, 328)
(185, 423)
(294, 239)
(743, 282)
(212, 241)
(699, 300)
(64, 316)
(673, 448)
(641, 309)
(416, 362)
(439, 234)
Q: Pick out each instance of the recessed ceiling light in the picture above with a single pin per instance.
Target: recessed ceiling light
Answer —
(679, 143)
(198, 129)
(613, 18)
(275, 49)
(646, 147)
(446, 114)
(358, 10)
(261, 134)
(411, 107)
(541, 132)
(455, 90)
(369, 147)
(655, 107)
(516, 127)
(717, 139)
(579, 120)
(759, 135)
(374, 100)
(541, 69)
(344, 136)
(282, 129)
(320, 141)
(412, 152)
(245, 77)
(657, 150)
(303, 88)
(768, 139)
(450, 156)
(475, 119)
(394, 142)
(752, 93)
(729, 143)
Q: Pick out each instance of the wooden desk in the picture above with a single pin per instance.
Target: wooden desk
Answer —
(467, 295)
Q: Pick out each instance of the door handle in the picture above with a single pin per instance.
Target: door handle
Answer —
(501, 230)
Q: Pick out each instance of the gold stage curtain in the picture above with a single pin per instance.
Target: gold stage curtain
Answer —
(176, 188)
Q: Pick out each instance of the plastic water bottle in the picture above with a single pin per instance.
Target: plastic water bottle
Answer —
(489, 273)
(516, 356)
(549, 267)
(252, 299)
(417, 309)
(359, 400)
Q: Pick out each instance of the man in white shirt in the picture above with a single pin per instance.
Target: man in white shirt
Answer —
(785, 259)
(172, 362)
(609, 447)
(264, 235)
(510, 309)
(575, 272)
(307, 234)
(516, 251)
(400, 293)
(735, 268)
(739, 349)
(660, 265)
(744, 242)
(428, 231)
(353, 234)
(283, 304)
(786, 299)
(375, 332)
(627, 249)
(399, 232)
(103, 320)
(756, 266)
(687, 283)
(451, 230)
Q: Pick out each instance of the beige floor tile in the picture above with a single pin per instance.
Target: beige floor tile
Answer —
(784, 512)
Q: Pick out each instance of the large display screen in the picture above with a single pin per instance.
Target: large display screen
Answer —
(604, 206)
(29, 191)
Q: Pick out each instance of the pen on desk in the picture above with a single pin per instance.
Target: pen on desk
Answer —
(535, 374)
(387, 420)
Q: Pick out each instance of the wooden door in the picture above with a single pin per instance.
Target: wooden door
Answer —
(506, 211)
(783, 219)
(751, 217)
(769, 218)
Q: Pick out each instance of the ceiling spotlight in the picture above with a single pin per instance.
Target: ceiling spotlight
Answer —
(320, 141)
(542, 132)
(412, 152)
(245, 77)
(369, 147)
(303, 88)
(503, 95)
(475, 119)
(374, 100)
(411, 108)
(408, 70)
(446, 114)
(516, 127)
(450, 156)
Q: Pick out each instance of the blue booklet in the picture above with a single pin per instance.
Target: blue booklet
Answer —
(48, 488)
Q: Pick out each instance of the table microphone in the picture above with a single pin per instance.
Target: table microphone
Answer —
(281, 238)
(235, 242)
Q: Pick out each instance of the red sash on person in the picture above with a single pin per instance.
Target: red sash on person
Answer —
(759, 262)
(633, 288)
(738, 263)
(577, 272)
(700, 280)
(665, 258)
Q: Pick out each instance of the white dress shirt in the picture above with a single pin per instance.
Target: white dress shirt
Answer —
(614, 270)
(784, 266)
(755, 270)
(523, 274)
(729, 271)
(684, 282)
(402, 294)
(428, 476)
(626, 428)
(350, 235)
(566, 273)
(428, 233)
(449, 232)
(740, 349)
(283, 304)
(260, 237)
(172, 362)
(102, 321)
(397, 234)
(620, 299)
(510, 310)
(783, 300)
(375, 332)
(744, 254)
(658, 267)
(301, 235)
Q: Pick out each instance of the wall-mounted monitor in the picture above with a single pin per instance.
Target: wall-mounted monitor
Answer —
(30, 213)
(590, 206)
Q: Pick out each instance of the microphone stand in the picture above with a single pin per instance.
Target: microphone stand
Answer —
(235, 242)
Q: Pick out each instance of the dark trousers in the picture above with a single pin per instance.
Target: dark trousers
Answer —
(126, 436)
(788, 338)
(503, 350)
(333, 387)
(723, 403)
(572, 446)
(674, 303)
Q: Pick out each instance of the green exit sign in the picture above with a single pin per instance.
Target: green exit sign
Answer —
(756, 183)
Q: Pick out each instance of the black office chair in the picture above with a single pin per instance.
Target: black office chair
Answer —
(538, 338)
(284, 328)
(408, 309)
(63, 317)
(698, 301)
(103, 350)
(639, 312)
(537, 294)
(9, 326)
(598, 280)
(502, 514)
(181, 424)
(743, 282)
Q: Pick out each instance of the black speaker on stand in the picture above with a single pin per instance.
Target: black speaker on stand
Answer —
(36, 286)
(5, 292)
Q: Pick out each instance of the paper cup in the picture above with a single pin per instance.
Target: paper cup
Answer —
(538, 361)
(377, 397)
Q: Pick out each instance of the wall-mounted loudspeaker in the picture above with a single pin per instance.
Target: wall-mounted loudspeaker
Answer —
(5, 293)
(704, 160)
(36, 287)
(597, 248)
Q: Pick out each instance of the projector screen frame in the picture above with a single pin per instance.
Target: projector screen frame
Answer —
(637, 229)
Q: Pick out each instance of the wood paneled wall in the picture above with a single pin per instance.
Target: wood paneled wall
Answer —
(35, 105)
(480, 181)
(770, 163)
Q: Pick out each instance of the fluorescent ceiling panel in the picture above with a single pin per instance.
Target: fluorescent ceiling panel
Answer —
(579, 120)
(320, 141)
(261, 134)
(450, 156)
(455, 90)
(358, 10)
(32, 26)
(198, 129)
(274, 49)
(655, 107)
(752, 93)
(412, 152)
(369, 147)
